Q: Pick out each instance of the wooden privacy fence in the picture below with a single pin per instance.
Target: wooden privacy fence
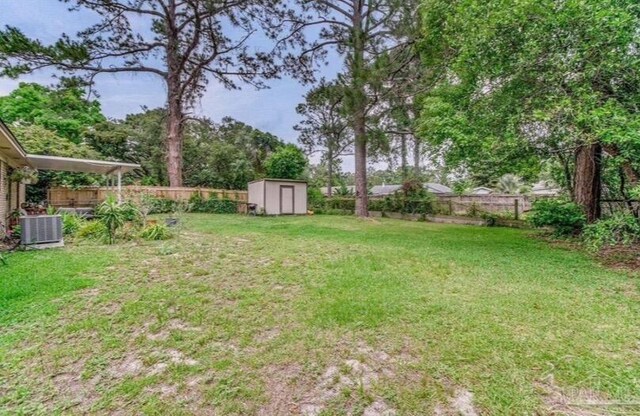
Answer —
(494, 203)
(89, 196)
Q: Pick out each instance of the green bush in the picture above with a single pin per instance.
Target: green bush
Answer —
(71, 223)
(156, 232)
(160, 205)
(339, 203)
(93, 230)
(338, 212)
(316, 200)
(412, 198)
(378, 204)
(213, 205)
(112, 215)
(399, 202)
(619, 229)
(130, 211)
(565, 217)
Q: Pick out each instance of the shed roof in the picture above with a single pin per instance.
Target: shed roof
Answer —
(278, 180)
(69, 164)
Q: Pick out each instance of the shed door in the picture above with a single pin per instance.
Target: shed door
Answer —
(286, 199)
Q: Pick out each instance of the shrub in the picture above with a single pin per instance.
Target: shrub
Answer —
(130, 211)
(406, 204)
(93, 230)
(315, 200)
(565, 217)
(474, 211)
(619, 229)
(377, 204)
(195, 203)
(71, 223)
(213, 205)
(342, 204)
(159, 205)
(112, 215)
(156, 232)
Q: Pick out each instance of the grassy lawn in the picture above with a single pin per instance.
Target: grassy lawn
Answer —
(318, 316)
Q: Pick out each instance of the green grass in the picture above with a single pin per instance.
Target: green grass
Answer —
(247, 315)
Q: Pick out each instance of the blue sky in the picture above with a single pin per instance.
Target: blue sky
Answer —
(271, 110)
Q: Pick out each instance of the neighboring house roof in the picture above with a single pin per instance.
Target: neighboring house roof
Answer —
(383, 190)
(336, 189)
(10, 148)
(481, 190)
(437, 188)
(545, 188)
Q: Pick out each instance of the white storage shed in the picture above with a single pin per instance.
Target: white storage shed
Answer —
(279, 196)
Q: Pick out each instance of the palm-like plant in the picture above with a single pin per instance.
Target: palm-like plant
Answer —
(509, 184)
(112, 215)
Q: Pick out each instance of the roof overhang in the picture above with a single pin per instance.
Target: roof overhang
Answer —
(10, 148)
(68, 164)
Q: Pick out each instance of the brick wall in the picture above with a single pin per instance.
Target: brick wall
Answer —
(4, 189)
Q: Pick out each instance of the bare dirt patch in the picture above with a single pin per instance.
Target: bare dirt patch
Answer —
(460, 402)
(267, 335)
(291, 391)
(581, 402)
(79, 392)
(129, 365)
(620, 257)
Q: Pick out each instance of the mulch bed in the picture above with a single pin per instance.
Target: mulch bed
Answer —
(621, 257)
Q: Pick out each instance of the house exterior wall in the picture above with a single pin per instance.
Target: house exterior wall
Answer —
(17, 192)
(266, 194)
(4, 192)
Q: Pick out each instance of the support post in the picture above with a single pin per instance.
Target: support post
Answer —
(119, 185)
(516, 209)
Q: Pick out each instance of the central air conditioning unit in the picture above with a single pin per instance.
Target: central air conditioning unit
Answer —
(41, 230)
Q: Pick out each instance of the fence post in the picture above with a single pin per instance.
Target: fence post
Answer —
(516, 209)
(450, 207)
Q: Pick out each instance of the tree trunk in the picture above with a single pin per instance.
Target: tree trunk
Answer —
(403, 157)
(587, 180)
(174, 143)
(416, 156)
(362, 197)
(330, 172)
(359, 111)
(174, 103)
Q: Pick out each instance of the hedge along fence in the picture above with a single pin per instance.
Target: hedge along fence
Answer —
(165, 199)
(512, 206)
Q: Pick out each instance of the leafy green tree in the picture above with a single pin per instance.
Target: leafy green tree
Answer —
(325, 126)
(256, 145)
(226, 155)
(38, 140)
(361, 32)
(61, 109)
(288, 162)
(54, 121)
(139, 138)
(534, 80)
(182, 43)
